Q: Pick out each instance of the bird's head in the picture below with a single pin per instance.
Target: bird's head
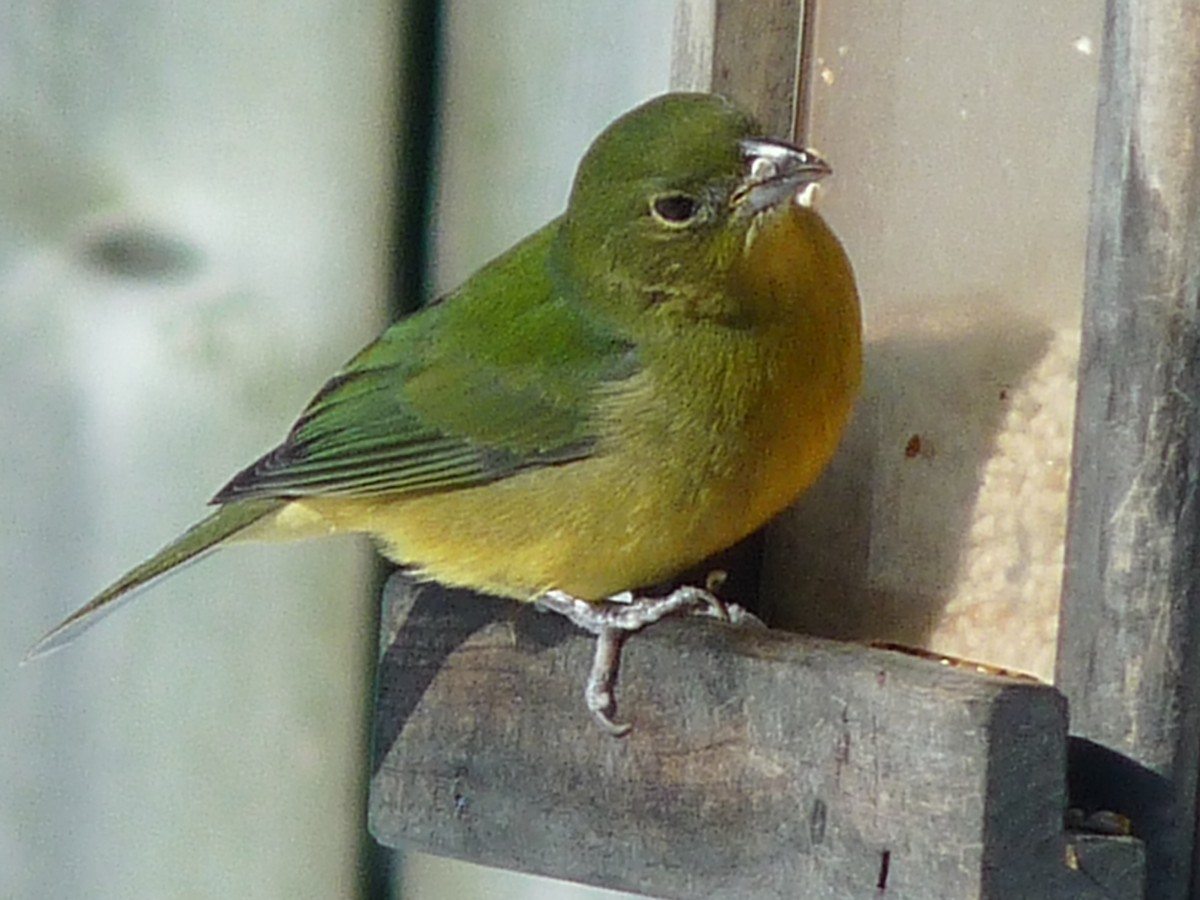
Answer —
(668, 200)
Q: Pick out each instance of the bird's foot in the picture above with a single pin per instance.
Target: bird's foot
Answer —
(613, 619)
(625, 612)
(602, 681)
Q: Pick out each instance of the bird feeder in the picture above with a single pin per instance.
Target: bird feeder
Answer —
(1018, 190)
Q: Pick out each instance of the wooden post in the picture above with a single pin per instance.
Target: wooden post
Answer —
(1128, 656)
(748, 51)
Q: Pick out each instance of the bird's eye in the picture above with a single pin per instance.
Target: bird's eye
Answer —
(674, 209)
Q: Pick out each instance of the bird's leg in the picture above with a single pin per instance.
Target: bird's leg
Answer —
(602, 680)
(612, 619)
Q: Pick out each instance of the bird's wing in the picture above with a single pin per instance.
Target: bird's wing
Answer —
(497, 378)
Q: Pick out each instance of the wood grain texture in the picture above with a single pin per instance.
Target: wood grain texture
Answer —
(746, 51)
(1129, 657)
(761, 765)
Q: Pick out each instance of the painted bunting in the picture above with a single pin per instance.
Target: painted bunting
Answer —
(642, 382)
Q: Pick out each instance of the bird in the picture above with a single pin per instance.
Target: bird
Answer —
(640, 383)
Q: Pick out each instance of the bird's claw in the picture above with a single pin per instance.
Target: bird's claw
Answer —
(741, 617)
(613, 619)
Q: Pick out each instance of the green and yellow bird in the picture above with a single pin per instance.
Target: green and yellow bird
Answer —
(641, 383)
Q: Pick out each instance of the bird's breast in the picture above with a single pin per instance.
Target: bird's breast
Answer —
(741, 419)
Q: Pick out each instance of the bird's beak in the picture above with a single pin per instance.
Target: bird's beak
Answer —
(776, 171)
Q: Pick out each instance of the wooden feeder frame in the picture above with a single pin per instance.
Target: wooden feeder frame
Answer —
(771, 765)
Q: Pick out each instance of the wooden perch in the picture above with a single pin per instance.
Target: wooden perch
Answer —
(761, 764)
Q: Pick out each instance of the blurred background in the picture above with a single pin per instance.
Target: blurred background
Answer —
(206, 209)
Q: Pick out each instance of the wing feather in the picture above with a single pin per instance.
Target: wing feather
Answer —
(445, 399)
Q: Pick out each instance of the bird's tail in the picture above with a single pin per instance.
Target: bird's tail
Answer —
(205, 535)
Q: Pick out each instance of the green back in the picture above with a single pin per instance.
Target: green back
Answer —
(495, 378)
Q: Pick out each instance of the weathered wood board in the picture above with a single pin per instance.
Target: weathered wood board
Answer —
(1129, 641)
(761, 764)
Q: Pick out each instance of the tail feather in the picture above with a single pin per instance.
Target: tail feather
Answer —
(202, 537)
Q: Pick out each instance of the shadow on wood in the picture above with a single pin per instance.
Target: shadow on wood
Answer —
(410, 658)
(761, 764)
